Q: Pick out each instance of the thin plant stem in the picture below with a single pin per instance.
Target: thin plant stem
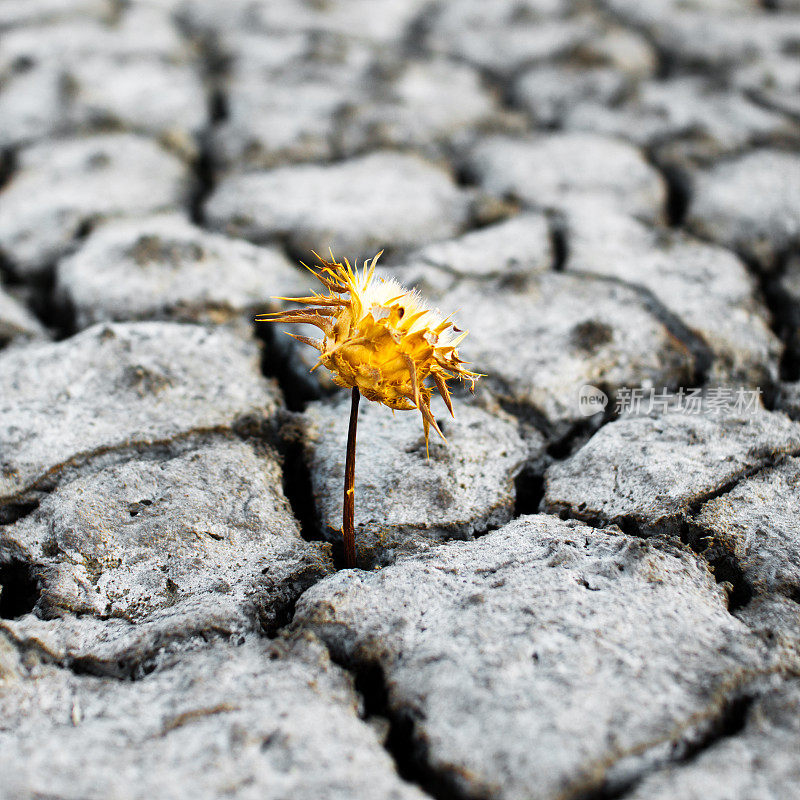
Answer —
(348, 512)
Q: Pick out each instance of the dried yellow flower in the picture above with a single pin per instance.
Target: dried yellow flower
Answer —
(380, 338)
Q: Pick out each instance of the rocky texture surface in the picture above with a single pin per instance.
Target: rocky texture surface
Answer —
(764, 228)
(756, 522)
(456, 489)
(650, 471)
(61, 188)
(258, 719)
(427, 103)
(755, 763)
(788, 399)
(16, 321)
(546, 654)
(586, 331)
(706, 287)
(287, 15)
(605, 194)
(689, 110)
(506, 35)
(21, 12)
(718, 35)
(357, 207)
(122, 387)
(190, 543)
(548, 171)
(128, 71)
(518, 246)
(774, 618)
(286, 94)
(166, 268)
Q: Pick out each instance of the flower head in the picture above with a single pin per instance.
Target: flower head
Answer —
(380, 338)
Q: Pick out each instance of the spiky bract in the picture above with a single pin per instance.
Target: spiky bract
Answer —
(379, 338)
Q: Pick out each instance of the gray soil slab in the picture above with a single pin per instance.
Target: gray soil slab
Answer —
(550, 170)
(711, 34)
(261, 720)
(60, 188)
(505, 35)
(758, 763)
(651, 471)
(426, 104)
(118, 387)
(145, 95)
(458, 489)
(764, 227)
(357, 207)
(17, 323)
(169, 545)
(286, 94)
(587, 331)
(140, 30)
(788, 399)
(545, 658)
(758, 522)
(378, 22)
(774, 618)
(164, 267)
(706, 286)
(521, 245)
(549, 92)
(715, 122)
(26, 12)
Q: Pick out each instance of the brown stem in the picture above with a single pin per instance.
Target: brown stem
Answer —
(348, 513)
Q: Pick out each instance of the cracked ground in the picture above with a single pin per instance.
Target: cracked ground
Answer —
(560, 603)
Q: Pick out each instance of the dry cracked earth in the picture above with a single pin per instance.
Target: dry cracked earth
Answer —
(551, 606)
